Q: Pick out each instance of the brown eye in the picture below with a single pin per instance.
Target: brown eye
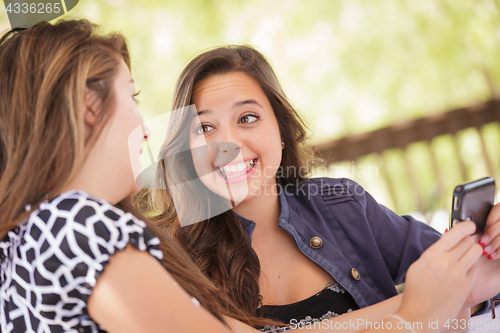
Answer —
(203, 128)
(248, 119)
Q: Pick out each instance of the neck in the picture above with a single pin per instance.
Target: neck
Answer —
(100, 179)
(92, 187)
(263, 209)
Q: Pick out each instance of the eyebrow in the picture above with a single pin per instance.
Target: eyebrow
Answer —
(235, 105)
(245, 102)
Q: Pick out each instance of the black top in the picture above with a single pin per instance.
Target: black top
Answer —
(328, 303)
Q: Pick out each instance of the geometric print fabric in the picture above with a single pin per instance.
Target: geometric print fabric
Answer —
(50, 263)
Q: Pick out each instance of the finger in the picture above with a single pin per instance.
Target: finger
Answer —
(471, 256)
(464, 246)
(492, 247)
(453, 237)
(491, 231)
(494, 215)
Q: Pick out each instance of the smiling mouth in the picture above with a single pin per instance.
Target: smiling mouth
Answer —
(236, 170)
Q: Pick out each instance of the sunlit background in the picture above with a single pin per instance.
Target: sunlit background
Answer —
(350, 66)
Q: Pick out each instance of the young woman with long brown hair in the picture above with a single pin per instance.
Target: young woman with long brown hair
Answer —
(233, 187)
(75, 254)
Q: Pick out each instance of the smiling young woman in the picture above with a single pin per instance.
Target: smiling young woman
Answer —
(212, 243)
(287, 247)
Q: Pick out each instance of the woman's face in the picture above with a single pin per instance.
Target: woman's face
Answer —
(237, 122)
(122, 138)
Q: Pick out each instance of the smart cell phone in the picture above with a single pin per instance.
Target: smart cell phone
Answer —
(473, 201)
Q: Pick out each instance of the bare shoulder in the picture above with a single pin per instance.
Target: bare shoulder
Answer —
(136, 294)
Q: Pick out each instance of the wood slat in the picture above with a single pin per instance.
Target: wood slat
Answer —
(401, 135)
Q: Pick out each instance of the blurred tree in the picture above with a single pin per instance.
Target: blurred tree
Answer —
(349, 65)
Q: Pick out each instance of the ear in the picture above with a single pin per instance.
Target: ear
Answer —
(90, 105)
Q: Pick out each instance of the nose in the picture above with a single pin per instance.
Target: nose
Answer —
(227, 147)
(228, 140)
(224, 152)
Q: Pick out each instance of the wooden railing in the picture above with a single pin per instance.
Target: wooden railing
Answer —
(426, 130)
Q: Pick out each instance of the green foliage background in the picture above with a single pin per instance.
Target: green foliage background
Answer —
(350, 66)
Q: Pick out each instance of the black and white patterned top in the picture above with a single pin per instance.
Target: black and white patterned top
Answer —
(50, 263)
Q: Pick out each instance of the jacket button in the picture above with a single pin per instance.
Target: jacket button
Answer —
(355, 274)
(316, 242)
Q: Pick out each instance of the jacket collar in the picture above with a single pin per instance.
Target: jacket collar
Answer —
(249, 225)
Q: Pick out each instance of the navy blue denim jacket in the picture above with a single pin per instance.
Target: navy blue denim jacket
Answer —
(356, 232)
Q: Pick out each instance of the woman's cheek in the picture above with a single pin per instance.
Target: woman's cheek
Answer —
(202, 163)
(274, 164)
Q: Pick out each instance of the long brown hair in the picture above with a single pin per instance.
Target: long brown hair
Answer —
(219, 245)
(44, 71)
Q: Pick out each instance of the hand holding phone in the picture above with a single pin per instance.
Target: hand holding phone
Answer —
(473, 201)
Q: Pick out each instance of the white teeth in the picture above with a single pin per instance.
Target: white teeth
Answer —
(236, 175)
(236, 167)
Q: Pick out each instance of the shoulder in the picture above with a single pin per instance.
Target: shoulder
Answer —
(82, 208)
(329, 185)
(323, 197)
(78, 221)
(325, 188)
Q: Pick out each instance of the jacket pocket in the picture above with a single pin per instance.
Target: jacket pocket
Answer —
(331, 200)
